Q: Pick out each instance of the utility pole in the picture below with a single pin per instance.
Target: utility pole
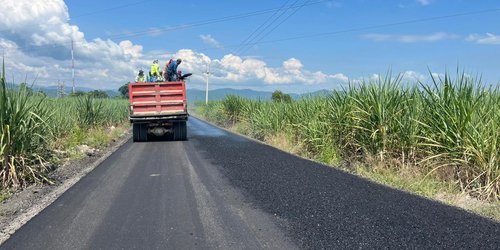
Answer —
(206, 87)
(72, 67)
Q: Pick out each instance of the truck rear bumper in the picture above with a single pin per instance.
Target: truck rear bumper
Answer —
(160, 118)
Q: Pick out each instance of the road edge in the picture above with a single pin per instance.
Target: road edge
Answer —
(270, 145)
(47, 199)
(345, 171)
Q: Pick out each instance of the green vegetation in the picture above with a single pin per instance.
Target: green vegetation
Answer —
(445, 133)
(94, 93)
(34, 126)
(279, 96)
(123, 91)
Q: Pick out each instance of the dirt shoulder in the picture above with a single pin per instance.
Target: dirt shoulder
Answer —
(23, 205)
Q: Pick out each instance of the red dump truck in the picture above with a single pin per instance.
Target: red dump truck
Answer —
(158, 108)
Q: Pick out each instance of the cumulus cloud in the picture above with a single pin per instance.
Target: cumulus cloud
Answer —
(439, 36)
(489, 38)
(412, 76)
(235, 69)
(36, 38)
(408, 77)
(209, 40)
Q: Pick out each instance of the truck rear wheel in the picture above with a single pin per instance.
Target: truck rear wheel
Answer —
(180, 131)
(140, 132)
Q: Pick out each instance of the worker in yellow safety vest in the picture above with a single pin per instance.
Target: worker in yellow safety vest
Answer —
(140, 77)
(155, 70)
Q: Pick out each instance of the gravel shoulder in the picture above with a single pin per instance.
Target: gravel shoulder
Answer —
(23, 205)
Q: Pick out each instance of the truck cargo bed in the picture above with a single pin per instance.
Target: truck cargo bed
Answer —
(158, 108)
(157, 100)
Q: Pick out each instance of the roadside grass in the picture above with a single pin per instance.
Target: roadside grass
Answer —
(95, 138)
(436, 138)
(407, 179)
(37, 131)
(3, 195)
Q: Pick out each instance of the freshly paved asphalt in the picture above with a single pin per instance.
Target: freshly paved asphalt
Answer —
(222, 191)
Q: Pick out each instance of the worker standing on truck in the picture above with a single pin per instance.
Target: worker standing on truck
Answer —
(172, 70)
(155, 70)
(140, 77)
(166, 68)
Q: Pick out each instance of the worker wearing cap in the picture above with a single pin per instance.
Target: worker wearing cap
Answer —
(172, 70)
(140, 77)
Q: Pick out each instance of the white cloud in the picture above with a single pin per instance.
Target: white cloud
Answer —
(292, 65)
(208, 39)
(36, 38)
(489, 38)
(437, 76)
(234, 70)
(424, 2)
(412, 76)
(408, 77)
(439, 36)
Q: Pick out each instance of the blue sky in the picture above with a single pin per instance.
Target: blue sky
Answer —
(113, 39)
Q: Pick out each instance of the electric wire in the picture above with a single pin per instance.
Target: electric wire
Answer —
(365, 28)
(275, 27)
(110, 9)
(260, 26)
(30, 48)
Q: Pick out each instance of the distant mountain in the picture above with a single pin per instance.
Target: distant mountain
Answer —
(322, 92)
(195, 95)
(219, 94)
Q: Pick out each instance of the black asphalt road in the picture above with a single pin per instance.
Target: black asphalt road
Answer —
(218, 190)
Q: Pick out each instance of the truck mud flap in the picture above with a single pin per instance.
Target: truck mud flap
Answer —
(180, 131)
(140, 132)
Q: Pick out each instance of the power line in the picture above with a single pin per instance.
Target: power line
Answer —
(275, 27)
(166, 29)
(421, 20)
(260, 26)
(97, 11)
(413, 21)
(205, 22)
(110, 9)
(269, 25)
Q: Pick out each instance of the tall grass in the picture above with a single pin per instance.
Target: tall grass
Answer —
(23, 124)
(461, 123)
(449, 126)
(30, 124)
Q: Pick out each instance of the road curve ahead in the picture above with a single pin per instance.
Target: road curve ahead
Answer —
(221, 191)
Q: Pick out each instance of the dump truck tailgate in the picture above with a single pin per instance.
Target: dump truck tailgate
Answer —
(157, 99)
